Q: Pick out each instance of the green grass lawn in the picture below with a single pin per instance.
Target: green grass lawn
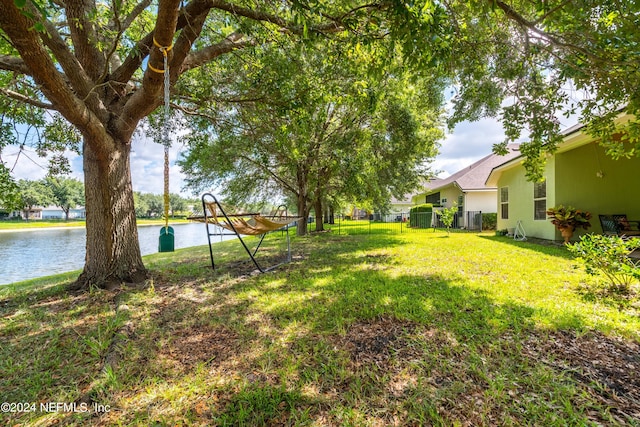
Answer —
(40, 223)
(359, 330)
(45, 223)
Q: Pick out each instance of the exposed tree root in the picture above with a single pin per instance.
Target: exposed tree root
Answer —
(112, 282)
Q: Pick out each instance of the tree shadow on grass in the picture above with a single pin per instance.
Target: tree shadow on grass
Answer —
(434, 349)
(53, 345)
(342, 337)
(539, 245)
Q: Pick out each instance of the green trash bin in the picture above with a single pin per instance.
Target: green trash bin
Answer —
(166, 242)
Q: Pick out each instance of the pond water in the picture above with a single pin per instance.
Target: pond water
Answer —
(36, 253)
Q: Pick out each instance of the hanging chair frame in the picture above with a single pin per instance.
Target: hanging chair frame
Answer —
(228, 228)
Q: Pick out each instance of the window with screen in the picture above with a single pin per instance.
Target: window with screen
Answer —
(504, 203)
(540, 200)
(434, 199)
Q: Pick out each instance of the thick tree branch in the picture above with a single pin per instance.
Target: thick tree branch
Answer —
(146, 99)
(12, 63)
(185, 42)
(114, 61)
(552, 11)
(73, 70)
(23, 98)
(83, 34)
(232, 42)
(198, 8)
(44, 72)
(267, 17)
(143, 47)
(140, 7)
(531, 26)
(134, 60)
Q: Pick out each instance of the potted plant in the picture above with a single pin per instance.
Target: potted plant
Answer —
(568, 219)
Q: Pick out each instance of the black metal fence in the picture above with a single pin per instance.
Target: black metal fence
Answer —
(468, 220)
(401, 223)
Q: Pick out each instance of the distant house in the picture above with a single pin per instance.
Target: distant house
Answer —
(579, 174)
(401, 205)
(5, 214)
(467, 188)
(33, 213)
(55, 212)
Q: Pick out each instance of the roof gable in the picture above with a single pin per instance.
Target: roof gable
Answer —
(473, 177)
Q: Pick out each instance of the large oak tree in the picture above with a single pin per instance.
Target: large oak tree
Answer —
(99, 66)
(96, 65)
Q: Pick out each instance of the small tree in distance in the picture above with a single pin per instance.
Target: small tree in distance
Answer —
(67, 193)
(33, 193)
(447, 215)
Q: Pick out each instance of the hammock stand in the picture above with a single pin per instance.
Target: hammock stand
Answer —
(236, 225)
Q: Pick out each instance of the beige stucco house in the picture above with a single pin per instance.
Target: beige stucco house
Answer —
(467, 188)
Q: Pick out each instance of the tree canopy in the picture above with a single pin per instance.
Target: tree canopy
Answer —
(67, 193)
(314, 124)
(34, 193)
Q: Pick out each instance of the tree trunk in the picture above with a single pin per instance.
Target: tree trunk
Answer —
(328, 215)
(302, 199)
(112, 249)
(303, 211)
(318, 209)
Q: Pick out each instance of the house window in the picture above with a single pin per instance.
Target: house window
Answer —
(540, 200)
(504, 203)
(460, 205)
(434, 199)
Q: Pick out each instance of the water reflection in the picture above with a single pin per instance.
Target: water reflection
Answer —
(30, 254)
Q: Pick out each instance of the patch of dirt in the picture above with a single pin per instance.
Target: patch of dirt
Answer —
(607, 368)
(374, 342)
(211, 345)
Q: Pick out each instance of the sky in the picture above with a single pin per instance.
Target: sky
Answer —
(147, 166)
(467, 143)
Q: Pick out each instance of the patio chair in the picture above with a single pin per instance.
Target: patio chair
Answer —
(619, 225)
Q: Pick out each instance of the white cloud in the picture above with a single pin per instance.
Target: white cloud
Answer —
(21, 165)
(466, 144)
(469, 142)
(147, 166)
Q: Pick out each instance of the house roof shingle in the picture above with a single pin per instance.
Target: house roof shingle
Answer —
(473, 177)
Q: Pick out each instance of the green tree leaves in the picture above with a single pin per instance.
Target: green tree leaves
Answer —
(314, 123)
(9, 191)
(67, 193)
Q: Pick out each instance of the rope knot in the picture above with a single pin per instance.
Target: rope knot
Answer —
(164, 49)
